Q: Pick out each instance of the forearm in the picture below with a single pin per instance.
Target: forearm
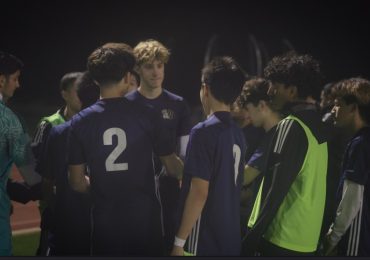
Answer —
(347, 210)
(77, 178)
(173, 164)
(194, 205)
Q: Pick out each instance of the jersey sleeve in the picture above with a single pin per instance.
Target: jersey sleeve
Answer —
(76, 154)
(198, 159)
(48, 156)
(357, 167)
(38, 144)
(184, 126)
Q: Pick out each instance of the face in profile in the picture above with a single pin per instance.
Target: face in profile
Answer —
(343, 113)
(9, 84)
(240, 115)
(280, 95)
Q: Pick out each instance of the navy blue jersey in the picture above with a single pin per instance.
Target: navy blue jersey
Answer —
(216, 153)
(356, 168)
(116, 139)
(175, 116)
(71, 212)
(173, 110)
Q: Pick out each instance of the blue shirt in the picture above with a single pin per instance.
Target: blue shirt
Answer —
(116, 139)
(216, 153)
(356, 168)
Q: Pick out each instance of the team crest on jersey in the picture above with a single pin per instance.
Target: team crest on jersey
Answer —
(168, 114)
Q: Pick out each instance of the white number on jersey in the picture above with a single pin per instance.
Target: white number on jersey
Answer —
(236, 155)
(110, 165)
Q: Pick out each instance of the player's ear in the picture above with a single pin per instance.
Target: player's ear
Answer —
(206, 90)
(127, 78)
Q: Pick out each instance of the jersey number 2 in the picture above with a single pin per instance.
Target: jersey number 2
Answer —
(236, 155)
(110, 164)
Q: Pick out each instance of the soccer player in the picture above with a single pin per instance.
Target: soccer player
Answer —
(255, 103)
(213, 173)
(71, 210)
(71, 107)
(14, 145)
(288, 211)
(115, 139)
(151, 58)
(351, 227)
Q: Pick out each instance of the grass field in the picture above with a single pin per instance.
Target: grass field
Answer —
(25, 244)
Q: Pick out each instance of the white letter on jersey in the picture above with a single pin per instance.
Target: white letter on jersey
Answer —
(236, 155)
(110, 164)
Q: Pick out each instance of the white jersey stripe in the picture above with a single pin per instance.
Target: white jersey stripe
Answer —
(197, 236)
(279, 129)
(358, 229)
(289, 124)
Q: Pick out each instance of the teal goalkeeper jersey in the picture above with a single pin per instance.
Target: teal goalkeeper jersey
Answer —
(13, 149)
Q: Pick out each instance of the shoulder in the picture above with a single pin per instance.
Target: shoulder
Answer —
(132, 95)
(172, 96)
(8, 119)
(290, 131)
(205, 128)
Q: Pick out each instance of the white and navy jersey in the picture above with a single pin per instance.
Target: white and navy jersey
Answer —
(216, 153)
(116, 138)
(175, 116)
(356, 168)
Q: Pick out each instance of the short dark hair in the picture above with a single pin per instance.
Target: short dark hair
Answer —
(68, 80)
(224, 78)
(292, 69)
(109, 63)
(87, 90)
(355, 91)
(9, 64)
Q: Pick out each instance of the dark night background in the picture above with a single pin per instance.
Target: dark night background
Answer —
(55, 37)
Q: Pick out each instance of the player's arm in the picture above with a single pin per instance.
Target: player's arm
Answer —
(20, 150)
(20, 192)
(173, 164)
(183, 143)
(77, 178)
(194, 204)
(347, 210)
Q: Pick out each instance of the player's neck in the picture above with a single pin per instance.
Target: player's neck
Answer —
(111, 92)
(68, 113)
(357, 124)
(217, 106)
(150, 93)
(272, 121)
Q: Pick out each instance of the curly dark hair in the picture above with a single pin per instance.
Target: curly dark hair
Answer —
(110, 63)
(292, 69)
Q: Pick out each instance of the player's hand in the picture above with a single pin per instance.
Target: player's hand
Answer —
(177, 251)
(328, 247)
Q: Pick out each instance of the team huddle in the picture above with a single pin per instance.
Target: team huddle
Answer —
(122, 169)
